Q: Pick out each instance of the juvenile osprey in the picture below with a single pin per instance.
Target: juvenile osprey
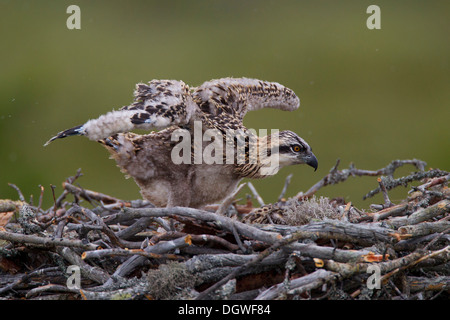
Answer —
(217, 106)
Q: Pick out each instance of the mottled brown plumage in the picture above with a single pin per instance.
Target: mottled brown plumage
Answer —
(218, 107)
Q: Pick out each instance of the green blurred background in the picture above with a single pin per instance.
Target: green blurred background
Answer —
(367, 96)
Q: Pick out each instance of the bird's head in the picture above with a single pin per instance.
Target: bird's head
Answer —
(288, 149)
(294, 150)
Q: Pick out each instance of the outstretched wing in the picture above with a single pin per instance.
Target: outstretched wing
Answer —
(158, 104)
(237, 96)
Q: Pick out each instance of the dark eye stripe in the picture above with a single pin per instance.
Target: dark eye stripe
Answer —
(285, 149)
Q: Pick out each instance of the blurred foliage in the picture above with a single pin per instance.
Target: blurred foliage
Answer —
(367, 96)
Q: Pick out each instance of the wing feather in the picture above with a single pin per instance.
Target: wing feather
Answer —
(157, 105)
(237, 96)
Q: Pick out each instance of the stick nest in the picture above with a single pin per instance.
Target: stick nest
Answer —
(304, 247)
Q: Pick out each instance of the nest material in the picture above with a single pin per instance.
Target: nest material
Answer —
(300, 248)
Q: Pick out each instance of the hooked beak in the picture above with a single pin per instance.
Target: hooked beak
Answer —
(311, 160)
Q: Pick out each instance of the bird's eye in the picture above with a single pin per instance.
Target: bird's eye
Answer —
(296, 148)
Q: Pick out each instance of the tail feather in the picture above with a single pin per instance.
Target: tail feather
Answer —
(75, 131)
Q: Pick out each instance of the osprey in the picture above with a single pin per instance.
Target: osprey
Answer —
(216, 107)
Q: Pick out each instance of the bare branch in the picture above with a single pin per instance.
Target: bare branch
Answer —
(336, 176)
(255, 194)
(286, 184)
(299, 285)
(48, 242)
(228, 200)
(391, 183)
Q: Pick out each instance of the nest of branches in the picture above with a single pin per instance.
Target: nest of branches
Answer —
(90, 245)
